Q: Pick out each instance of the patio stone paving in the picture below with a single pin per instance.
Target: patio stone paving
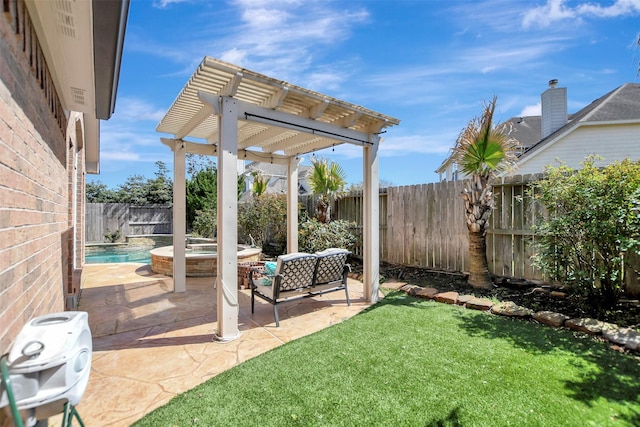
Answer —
(150, 344)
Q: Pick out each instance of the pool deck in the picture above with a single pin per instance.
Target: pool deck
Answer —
(149, 344)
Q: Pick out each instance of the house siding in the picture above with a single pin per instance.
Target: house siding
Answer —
(36, 225)
(611, 142)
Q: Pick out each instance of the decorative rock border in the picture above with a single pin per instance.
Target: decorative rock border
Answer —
(621, 338)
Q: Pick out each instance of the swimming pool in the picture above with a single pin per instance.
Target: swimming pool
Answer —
(124, 253)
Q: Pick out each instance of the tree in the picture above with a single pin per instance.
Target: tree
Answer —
(160, 188)
(134, 191)
(591, 228)
(327, 181)
(482, 151)
(201, 193)
(98, 192)
(201, 188)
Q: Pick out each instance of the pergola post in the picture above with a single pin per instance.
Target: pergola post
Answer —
(371, 220)
(292, 205)
(179, 218)
(227, 275)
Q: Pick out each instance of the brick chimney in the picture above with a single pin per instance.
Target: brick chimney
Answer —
(554, 108)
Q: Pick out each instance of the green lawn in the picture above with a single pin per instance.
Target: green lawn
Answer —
(410, 362)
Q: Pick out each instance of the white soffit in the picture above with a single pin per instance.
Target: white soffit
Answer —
(276, 117)
(65, 32)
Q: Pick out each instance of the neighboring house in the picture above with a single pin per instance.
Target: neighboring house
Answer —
(59, 70)
(277, 175)
(608, 127)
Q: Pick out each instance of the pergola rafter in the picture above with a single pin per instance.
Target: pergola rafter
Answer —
(239, 114)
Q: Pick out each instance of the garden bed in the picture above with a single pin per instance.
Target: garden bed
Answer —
(533, 295)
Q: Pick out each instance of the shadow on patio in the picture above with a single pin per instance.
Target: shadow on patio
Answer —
(150, 344)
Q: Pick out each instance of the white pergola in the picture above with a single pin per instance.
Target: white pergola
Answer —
(242, 115)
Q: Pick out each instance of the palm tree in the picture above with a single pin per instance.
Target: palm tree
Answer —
(482, 151)
(327, 180)
(260, 183)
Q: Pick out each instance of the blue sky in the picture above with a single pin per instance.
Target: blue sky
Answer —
(429, 63)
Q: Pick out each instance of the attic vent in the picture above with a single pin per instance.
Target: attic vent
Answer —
(64, 17)
(77, 95)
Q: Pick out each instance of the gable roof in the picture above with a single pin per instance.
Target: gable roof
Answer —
(621, 105)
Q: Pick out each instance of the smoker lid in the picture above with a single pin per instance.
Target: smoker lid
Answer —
(49, 340)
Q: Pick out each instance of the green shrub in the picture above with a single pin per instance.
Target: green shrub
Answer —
(314, 236)
(592, 226)
(264, 218)
(205, 223)
(112, 236)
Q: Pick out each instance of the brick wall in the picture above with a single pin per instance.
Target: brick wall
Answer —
(34, 180)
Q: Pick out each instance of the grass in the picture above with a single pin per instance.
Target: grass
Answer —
(410, 362)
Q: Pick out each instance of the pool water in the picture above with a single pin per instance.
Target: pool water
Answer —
(118, 254)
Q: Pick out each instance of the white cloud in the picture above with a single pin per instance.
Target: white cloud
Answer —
(120, 156)
(531, 110)
(161, 4)
(558, 10)
(135, 109)
(273, 37)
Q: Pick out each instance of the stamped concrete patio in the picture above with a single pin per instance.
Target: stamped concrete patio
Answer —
(149, 344)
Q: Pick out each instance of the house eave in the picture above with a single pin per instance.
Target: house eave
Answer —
(82, 42)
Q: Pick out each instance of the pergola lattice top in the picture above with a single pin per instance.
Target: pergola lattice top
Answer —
(278, 118)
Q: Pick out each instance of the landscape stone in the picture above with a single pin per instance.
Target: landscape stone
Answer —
(447, 297)
(586, 325)
(462, 299)
(511, 309)
(410, 289)
(392, 284)
(427, 293)
(626, 337)
(482, 304)
(550, 318)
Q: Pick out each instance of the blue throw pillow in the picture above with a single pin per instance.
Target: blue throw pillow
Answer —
(270, 267)
(270, 270)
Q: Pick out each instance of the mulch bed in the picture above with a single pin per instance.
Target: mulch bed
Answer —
(533, 295)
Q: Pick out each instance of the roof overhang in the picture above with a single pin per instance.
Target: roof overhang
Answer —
(82, 42)
(276, 120)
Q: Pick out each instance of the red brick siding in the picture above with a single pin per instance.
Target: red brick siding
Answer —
(34, 194)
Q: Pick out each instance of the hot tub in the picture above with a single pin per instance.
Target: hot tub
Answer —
(202, 259)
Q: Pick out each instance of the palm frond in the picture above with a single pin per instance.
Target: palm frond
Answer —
(484, 149)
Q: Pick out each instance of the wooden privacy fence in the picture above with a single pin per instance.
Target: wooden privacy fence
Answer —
(129, 220)
(424, 226)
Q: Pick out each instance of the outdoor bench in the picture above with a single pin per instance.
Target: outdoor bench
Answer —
(300, 275)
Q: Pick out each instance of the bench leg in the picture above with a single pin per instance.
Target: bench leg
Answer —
(253, 298)
(346, 292)
(275, 314)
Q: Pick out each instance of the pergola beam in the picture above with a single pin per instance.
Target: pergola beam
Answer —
(317, 110)
(251, 112)
(303, 138)
(231, 88)
(259, 138)
(212, 150)
(276, 100)
(195, 121)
